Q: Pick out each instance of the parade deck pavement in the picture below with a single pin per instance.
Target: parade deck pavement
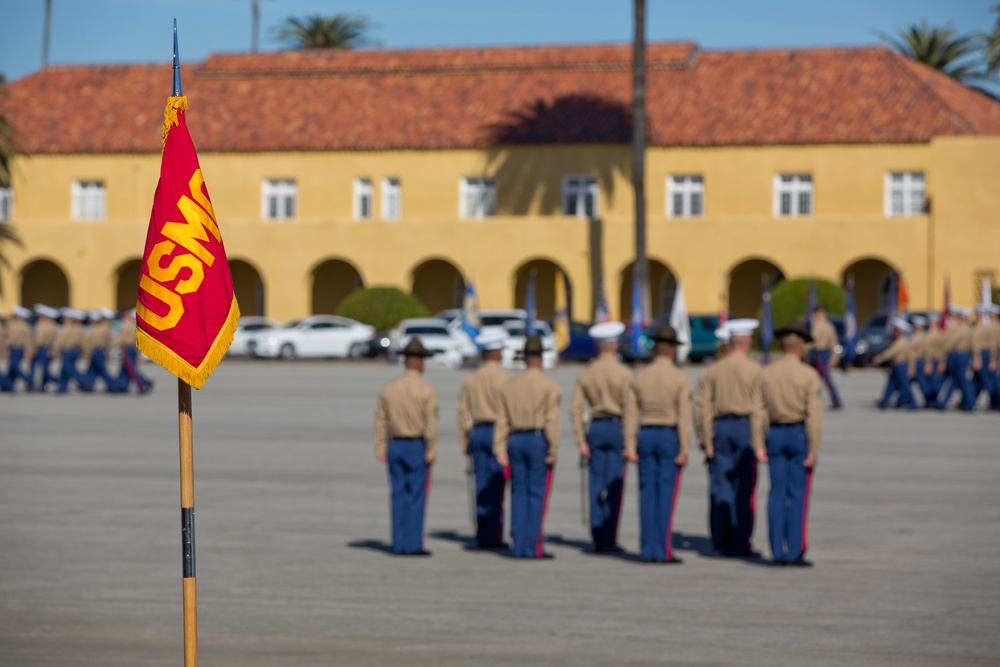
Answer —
(293, 523)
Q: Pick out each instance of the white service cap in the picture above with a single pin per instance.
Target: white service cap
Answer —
(74, 314)
(46, 311)
(741, 327)
(919, 320)
(491, 340)
(722, 334)
(959, 310)
(107, 313)
(902, 325)
(20, 311)
(606, 331)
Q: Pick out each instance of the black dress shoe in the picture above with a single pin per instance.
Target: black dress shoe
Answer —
(800, 562)
(492, 546)
(778, 563)
(673, 561)
(547, 556)
(422, 552)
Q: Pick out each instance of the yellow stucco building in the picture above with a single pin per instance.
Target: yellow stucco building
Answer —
(427, 169)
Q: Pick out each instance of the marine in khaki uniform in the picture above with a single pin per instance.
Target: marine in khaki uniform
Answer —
(19, 348)
(600, 390)
(958, 343)
(722, 339)
(478, 406)
(793, 423)
(934, 355)
(46, 331)
(729, 402)
(994, 326)
(823, 353)
(66, 348)
(901, 359)
(406, 438)
(657, 428)
(95, 347)
(130, 357)
(984, 360)
(3, 356)
(527, 439)
(919, 343)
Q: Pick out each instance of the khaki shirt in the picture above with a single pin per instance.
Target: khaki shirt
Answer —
(98, 336)
(824, 335)
(900, 351)
(407, 408)
(982, 341)
(659, 395)
(602, 386)
(732, 388)
(45, 332)
(19, 335)
(3, 340)
(479, 398)
(994, 327)
(527, 402)
(70, 337)
(933, 346)
(126, 334)
(791, 394)
(958, 337)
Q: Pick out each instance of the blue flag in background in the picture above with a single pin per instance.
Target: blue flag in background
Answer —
(813, 301)
(893, 301)
(529, 305)
(637, 318)
(470, 304)
(767, 322)
(850, 324)
(601, 312)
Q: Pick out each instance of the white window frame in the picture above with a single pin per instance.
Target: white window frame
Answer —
(477, 197)
(392, 198)
(89, 200)
(687, 186)
(799, 184)
(364, 199)
(911, 183)
(281, 191)
(576, 189)
(6, 203)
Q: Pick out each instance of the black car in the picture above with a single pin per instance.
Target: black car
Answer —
(874, 335)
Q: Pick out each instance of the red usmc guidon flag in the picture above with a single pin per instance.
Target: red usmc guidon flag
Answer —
(186, 311)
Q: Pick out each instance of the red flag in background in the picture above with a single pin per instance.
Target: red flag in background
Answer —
(186, 312)
(903, 298)
(947, 304)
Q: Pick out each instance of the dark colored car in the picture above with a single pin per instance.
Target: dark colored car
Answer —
(702, 338)
(581, 345)
(874, 336)
(378, 346)
(859, 344)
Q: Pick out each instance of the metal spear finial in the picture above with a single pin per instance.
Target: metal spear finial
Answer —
(177, 66)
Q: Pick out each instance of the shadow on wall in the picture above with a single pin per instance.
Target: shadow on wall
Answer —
(578, 120)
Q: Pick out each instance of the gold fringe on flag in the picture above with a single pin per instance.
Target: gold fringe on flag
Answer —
(174, 104)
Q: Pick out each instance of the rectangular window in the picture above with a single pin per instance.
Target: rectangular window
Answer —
(685, 197)
(793, 195)
(392, 199)
(90, 200)
(477, 197)
(6, 203)
(279, 199)
(580, 196)
(905, 194)
(362, 198)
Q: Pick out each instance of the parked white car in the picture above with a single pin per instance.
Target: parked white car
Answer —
(515, 344)
(246, 329)
(314, 336)
(446, 345)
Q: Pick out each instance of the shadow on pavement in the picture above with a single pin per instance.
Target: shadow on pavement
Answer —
(702, 546)
(587, 548)
(468, 543)
(374, 545)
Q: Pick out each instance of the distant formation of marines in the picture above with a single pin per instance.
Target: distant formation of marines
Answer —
(742, 415)
(51, 350)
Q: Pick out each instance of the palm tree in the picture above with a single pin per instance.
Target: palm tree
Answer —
(343, 31)
(8, 139)
(940, 48)
(991, 45)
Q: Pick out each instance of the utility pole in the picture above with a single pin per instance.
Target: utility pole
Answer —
(45, 34)
(254, 25)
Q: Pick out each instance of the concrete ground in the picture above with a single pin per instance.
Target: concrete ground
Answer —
(292, 523)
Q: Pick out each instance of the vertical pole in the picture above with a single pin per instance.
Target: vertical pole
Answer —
(639, 151)
(187, 523)
(255, 25)
(46, 31)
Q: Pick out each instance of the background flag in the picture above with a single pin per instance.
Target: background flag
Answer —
(723, 302)
(767, 321)
(850, 323)
(529, 306)
(811, 306)
(470, 306)
(560, 323)
(902, 296)
(681, 324)
(947, 303)
(601, 313)
(638, 321)
(186, 312)
(893, 301)
(987, 300)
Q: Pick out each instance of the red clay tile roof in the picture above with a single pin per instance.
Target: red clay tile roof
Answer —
(457, 98)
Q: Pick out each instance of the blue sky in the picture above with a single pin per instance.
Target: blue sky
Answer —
(109, 31)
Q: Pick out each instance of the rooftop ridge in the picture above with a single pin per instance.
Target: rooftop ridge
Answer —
(909, 66)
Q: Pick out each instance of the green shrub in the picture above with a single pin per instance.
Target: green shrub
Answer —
(382, 307)
(790, 299)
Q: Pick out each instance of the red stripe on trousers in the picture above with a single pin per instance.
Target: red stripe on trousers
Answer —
(545, 510)
(427, 495)
(670, 523)
(805, 513)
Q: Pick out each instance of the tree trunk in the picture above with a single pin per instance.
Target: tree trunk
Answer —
(641, 266)
(254, 25)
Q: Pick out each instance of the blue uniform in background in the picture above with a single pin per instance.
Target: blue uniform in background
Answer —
(530, 485)
(409, 477)
(491, 481)
(733, 479)
(606, 481)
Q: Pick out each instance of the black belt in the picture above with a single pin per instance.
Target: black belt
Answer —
(787, 423)
(731, 417)
(482, 424)
(532, 431)
(609, 418)
(673, 426)
(399, 437)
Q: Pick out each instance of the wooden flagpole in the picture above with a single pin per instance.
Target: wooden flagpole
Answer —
(186, 437)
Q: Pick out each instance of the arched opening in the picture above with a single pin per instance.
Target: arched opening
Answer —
(332, 282)
(127, 284)
(662, 287)
(545, 287)
(746, 281)
(871, 285)
(438, 284)
(248, 287)
(44, 282)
